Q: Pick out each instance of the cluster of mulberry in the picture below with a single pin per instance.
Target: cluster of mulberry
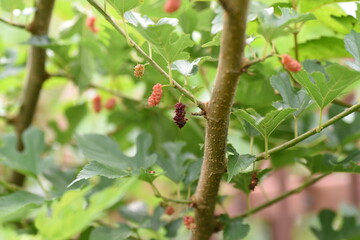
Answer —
(156, 95)
(179, 118)
(139, 70)
(290, 64)
(97, 103)
(189, 222)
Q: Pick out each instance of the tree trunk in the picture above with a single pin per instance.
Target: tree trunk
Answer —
(218, 112)
(36, 75)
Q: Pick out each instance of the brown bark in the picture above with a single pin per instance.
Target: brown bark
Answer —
(36, 75)
(218, 112)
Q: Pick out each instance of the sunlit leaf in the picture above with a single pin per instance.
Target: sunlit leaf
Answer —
(122, 6)
(324, 89)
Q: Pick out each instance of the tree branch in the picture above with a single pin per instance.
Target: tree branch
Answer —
(21, 26)
(248, 64)
(36, 74)
(343, 104)
(113, 92)
(283, 196)
(184, 91)
(218, 112)
(309, 133)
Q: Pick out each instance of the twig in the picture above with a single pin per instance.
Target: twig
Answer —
(114, 92)
(343, 104)
(296, 45)
(283, 196)
(22, 26)
(10, 187)
(309, 133)
(184, 91)
(254, 61)
(158, 194)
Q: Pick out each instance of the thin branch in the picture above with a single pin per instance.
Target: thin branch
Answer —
(309, 133)
(296, 45)
(283, 196)
(343, 104)
(114, 92)
(255, 61)
(184, 91)
(21, 26)
(10, 187)
(166, 199)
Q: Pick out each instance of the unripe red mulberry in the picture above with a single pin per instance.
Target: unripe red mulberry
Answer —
(179, 117)
(110, 103)
(290, 64)
(156, 95)
(172, 6)
(189, 222)
(169, 210)
(90, 23)
(96, 103)
(139, 70)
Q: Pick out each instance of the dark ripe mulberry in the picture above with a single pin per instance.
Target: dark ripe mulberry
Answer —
(179, 117)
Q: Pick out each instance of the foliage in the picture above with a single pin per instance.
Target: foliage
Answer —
(110, 173)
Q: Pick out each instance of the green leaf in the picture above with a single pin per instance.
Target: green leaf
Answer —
(188, 20)
(73, 213)
(9, 6)
(28, 161)
(326, 232)
(325, 15)
(16, 205)
(272, 26)
(214, 42)
(250, 130)
(242, 181)
(265, 125)
(136, 212)
(146, 176)
(172, 228)
(330, 163)
(186, 68)
(122, 232)
(323, 89)
(352, 44)
(122, 6)
(162, 36)
(308, 5)
(234, 228)
(349, 229)
(174, 162)
(326, 47)
(74, 115)
(292, 98)
(107, 160)
(237, 163)
(347, 129)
